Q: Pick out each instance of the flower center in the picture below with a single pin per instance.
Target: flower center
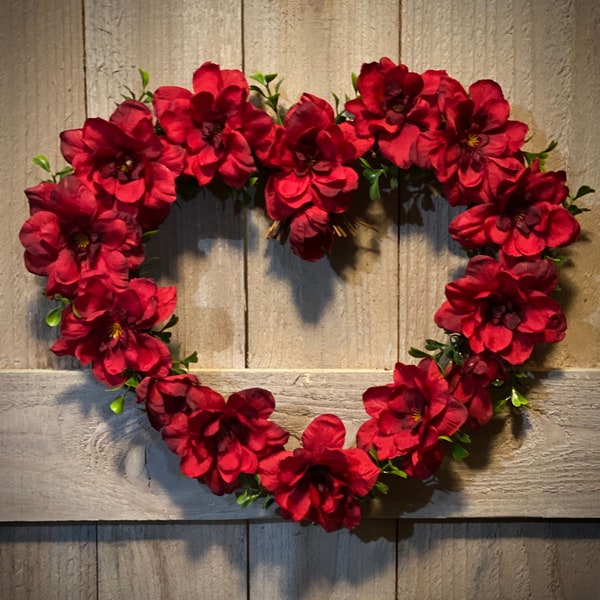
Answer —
(115, 330)
(416, 415)
(473, 140)
(211, 132)
(503, 312)
(81, 241)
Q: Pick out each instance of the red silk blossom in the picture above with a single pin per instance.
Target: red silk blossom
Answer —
(126, 162)
(216, 124)
(167, 396)
(70, 233)
(109, 327)
(525, 217)
(220, 440)
(389, 109)
(310, 233)
(309, 153)
(504, 309)
(469, 384)
(321, 482)
(408, 417)
(477, 147)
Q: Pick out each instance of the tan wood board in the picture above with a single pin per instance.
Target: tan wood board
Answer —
(150, 561)
(546, 57)
(56, 426)
(48, 562)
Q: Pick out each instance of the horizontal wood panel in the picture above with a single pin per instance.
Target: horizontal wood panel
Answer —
(62, 450)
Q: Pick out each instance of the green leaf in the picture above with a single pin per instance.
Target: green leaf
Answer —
(132, 382)
(41, 161)
(147, 235)
(434, 345)
(256, 89)
(171, 322)
(584, 190)
(465, 438)
(355, 83)
(517, 398)
(416, 353)
(382, 487)
(374, 193)
(270, 77)
(145, 78)
(576, 210)
(445, 438)
(458, 452)
(54, 316)
(258, 77)
(117, 405)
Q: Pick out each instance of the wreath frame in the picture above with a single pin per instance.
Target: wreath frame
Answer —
(90, 221)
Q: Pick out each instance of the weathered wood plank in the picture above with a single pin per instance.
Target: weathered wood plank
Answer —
(56, 426)
(546, 57)
(48, 562)
(41, 78)
(201, 239)
(291, 561)
(340, 312)
(520, 560)
(153, 561)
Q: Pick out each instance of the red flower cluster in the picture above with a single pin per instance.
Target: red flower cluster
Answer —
(85, 235)
(505, 310)
(219, 440)
(409, 416)
(321, 481)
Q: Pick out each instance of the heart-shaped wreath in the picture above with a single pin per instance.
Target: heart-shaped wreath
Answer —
(89, 224)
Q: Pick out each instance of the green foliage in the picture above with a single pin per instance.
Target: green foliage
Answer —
(542, 156)
(251, 491)
(269, 96)
(55, 176)
(117, 404)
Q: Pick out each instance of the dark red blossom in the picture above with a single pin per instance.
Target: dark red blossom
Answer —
(525, 216)
(125, 161)
(109, 327)
(477, 146)
(408, 417)
(220, 440)
(164, 397)
(320, 482)
(70, 233)
(216, 124)
(388, 109)
(504, 309)
(309, 154)
(310, 233)
(469, 384)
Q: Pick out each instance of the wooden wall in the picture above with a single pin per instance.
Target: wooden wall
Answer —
(92, 504)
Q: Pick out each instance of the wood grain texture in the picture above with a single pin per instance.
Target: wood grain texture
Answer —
(546, 57)
(202, 239)
(42, 84)
(57, 427)
(153, 561)
(520, 560)
(340, 312)
(48, 562)
(292, 561)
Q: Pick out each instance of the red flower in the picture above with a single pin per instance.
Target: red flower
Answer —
(524, 218)
(505, 310)
(124, 159)
(69, 233)
(469, 384)
(310, 233)
(477, 147)
(218, 441)
(321, 481)
(309, 153)
(109, 327)
(165, 397)
(216, 124)
(388, 107)
(408, 417)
